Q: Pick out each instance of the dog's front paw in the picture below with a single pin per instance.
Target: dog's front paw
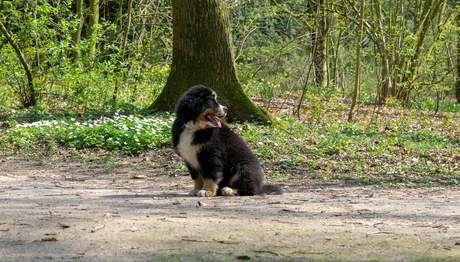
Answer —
(227, 191)
(203, 193)
(194, 192)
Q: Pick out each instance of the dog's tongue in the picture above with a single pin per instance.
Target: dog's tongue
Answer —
(213, 119)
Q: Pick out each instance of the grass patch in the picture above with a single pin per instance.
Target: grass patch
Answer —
(352, 152)
(394, 148)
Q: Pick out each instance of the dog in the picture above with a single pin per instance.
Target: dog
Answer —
(219, 161)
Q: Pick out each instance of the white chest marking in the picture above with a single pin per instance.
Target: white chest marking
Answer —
(188, 151)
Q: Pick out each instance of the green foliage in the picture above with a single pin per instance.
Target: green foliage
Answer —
(43, 31)
(400, 148)
(271, 46)
(96, 101)
(336, 150)
(132, 134)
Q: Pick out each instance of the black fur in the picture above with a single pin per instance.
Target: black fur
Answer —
(214, 153)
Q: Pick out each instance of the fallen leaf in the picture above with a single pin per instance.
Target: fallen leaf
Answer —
(139, 177)
(457, 158)
(97, 228)
(63, 225)
(202, 204)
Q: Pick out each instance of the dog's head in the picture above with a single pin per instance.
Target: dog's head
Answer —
(199, 108)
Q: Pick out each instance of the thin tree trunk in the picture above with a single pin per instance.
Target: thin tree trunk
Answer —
(203, 54)
(77, 35)
(128, 26)
(30, 98)
(93, 24)
(358, 58)
(320, 40)
(457, 79)
(305, 86)
(336, 58)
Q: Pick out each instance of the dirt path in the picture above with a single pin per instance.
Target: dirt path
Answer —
(80, 211)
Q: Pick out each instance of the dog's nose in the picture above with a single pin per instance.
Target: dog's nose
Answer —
(225, 109)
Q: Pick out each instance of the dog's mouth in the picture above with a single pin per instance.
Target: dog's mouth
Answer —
(212, 118)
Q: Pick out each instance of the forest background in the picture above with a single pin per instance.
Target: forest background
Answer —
(77, 73)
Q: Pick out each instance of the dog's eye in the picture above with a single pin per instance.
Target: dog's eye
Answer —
(212, 97)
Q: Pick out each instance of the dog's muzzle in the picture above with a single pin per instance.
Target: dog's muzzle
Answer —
(222, 111)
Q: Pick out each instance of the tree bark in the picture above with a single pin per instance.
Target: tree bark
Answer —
(457, 79)
(77, 35)
(93, 24)
(319, 38)
(128, 24)
(203, 54)
(358, 59)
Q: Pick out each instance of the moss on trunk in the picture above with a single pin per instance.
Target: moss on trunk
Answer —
(203, 54)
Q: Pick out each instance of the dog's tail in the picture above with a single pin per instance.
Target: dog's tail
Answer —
(272, 190)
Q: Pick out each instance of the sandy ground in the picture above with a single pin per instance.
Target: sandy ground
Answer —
(76, 210)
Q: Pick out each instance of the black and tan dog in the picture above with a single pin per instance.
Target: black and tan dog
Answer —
(218, 159)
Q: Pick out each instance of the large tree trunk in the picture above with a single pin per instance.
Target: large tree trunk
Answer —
(203, 54)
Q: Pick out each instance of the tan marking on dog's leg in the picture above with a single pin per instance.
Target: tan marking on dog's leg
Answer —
(198, 182)
(228, 191)
(209, 188)
(198, 185)
(232, 180)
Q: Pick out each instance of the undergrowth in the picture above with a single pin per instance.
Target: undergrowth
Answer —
(385, 145)
(130, 133)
